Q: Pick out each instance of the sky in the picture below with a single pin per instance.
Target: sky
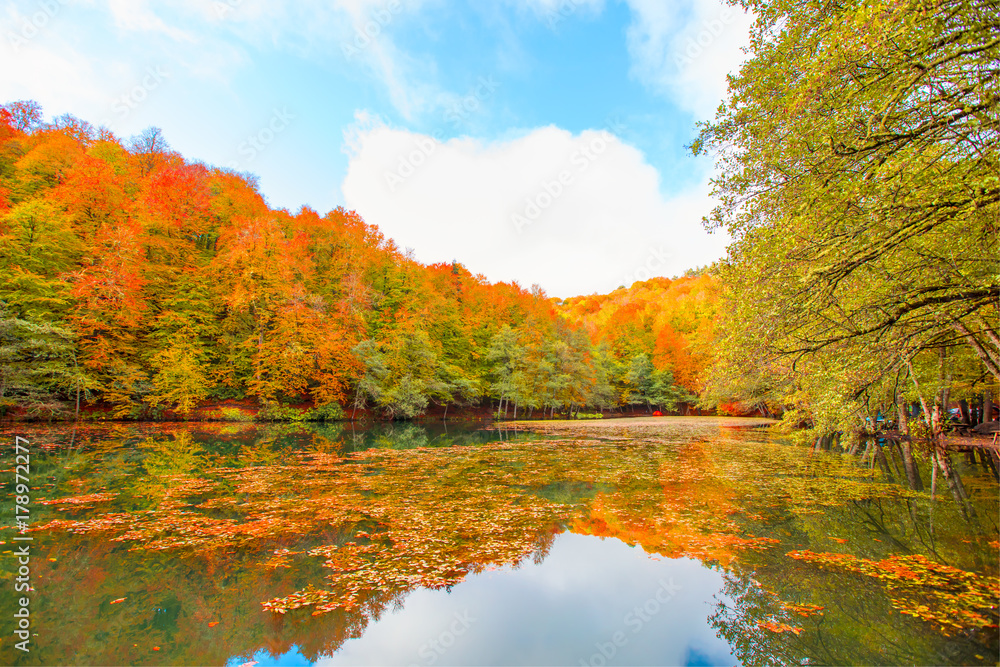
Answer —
(537, 141)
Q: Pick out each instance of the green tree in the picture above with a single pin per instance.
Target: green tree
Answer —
(38, 367)
(179, 379)
(858, 176)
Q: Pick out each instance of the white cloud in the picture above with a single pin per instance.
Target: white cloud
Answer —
(42, 66)
(686, 49)
(574, 213)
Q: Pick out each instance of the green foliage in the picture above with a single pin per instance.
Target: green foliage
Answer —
(179, 381)
(858, 176)
(331, 412)
(37, 367)
(275, 412)
(645, 384)
(175, 283)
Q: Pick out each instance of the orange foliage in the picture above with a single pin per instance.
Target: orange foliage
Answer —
(670, 320)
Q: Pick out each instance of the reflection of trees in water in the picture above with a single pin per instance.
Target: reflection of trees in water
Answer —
(430, 518)
(859, 623)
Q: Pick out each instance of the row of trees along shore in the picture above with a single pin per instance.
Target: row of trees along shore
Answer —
(857, 172)
(135, 282)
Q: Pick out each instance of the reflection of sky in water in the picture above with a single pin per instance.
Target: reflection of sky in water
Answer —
(562, 612)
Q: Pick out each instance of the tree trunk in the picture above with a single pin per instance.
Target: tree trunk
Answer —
(910, 465)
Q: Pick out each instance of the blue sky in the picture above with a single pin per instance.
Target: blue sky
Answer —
(533, 140)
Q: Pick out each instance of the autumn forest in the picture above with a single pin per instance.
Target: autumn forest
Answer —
(137, 284)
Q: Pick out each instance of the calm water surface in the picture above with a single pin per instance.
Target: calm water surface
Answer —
(679, 542)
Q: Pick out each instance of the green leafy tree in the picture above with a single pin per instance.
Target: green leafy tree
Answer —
(858, 176)
(38, 368)
(179, 379)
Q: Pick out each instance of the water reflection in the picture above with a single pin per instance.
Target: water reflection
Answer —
(569, 608)
(160, 544)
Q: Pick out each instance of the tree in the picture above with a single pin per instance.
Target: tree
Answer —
(400, 373)
(150, 149)
(38, 367)
(23, 115)
(857, 159)
(504, 356)
(179, 381)
(176, 282)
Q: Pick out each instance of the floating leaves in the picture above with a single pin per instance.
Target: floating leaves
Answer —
(922, 588)
(88, 499)
(354, 532)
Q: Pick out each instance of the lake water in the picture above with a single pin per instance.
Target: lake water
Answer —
(674, 541)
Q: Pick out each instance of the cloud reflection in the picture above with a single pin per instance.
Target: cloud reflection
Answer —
(558, 612)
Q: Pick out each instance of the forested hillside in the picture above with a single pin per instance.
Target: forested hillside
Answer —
(139, 282)
(664, 324)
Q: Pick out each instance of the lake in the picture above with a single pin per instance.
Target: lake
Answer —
(677, 541)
